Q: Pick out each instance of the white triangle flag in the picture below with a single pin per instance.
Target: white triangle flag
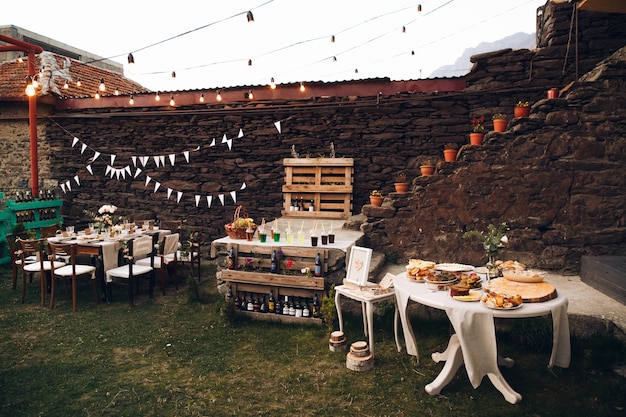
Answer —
(76, 179)
(137, 172)
(224, 138)
(112, 173)
(229, 142)
(127, 169)
(82, 149)
(172, 158)
(88, 168)
(209, 200)
(107, 170)
(277, 124)
(75, 141)
(156, 160)
(112, 159)
(178, 197)
(162, 160)
(197, 200)
(68, 185)
(197, 148)
(123, 172)
(63, 188)
(144, 160)
(243, 186)
(118, 173)
(186, 153)
(156, 186)
(148, 179)
(221, 197)
(212, 143)
(134, 158)
(240, 135)
(96, 154)
(233, 195)
(169, 193)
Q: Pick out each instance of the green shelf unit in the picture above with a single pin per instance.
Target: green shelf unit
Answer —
(37, 214)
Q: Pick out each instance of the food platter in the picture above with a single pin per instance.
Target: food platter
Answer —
(527, 275)
(515, 307)
(452, 267)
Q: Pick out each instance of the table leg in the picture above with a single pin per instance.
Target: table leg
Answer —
(338, 307)
(369, 309)
(454, 359)
(395, 328)
(364, 312)
(501, 385)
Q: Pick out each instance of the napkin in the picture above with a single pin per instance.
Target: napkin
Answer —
(477, 336)
(109, 255)
(561, 348)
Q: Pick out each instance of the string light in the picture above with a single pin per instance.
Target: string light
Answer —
(249, 95)
(78, 83)
(172, 102)
(20, 59)
(272, 84)
(66, 86)
(218, 97)
(419, 7)
(97, 96)
(30, 87)
(131, 59)
(250, 17)
(332, 39)
(131, 101)
(302, 87)
(173, 74)
(116, 92)
(157, 97)
(201, 97)
(249, 62)
(102, 87)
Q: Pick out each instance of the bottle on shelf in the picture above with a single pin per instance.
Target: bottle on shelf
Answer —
(250, 303)
(301, 204)
(263, 307)
(306, 312)
(318, 266)
(274, 263)
(292, 307)
(231, 258)
(271, 303)
(244, 304)
(298, 308)
(278, 307)
(236, 302)
(312, 206)
(316, 307)
(256, 303)
(286, 304)
(229, 294)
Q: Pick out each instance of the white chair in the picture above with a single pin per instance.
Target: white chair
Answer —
(34, 247)
(67, 251)
(166, 260)
(138, 248)
(356, 288)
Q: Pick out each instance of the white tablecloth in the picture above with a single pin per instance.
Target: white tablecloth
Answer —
(474, 326)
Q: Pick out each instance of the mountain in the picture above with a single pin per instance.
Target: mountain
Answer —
(462, 65)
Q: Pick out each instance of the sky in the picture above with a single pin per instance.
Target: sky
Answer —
(210, 43)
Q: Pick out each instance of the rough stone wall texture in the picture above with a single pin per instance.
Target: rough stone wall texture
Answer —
(557, 177)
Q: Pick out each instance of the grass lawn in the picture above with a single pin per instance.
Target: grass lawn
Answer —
(176, 355)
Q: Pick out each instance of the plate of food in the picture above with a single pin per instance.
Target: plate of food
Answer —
(497, 301)
(440, 282)
(418, 269)
(526, 275)
(470, 296)
(452, 267)
(512, 307)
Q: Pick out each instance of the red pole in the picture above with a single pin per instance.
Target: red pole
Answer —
(32, 122)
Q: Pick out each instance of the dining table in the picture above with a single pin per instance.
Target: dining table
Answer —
(474, 342)
(105, 248)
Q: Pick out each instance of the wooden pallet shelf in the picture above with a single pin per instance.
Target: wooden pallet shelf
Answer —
(324, 183)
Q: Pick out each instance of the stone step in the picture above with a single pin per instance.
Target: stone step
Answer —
(606, 274)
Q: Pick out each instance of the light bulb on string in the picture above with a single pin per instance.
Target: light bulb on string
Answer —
(131, 101)
(403, 29)
(78, 83)
(20, 59)
(157, 96)
(66, 86)
(419, 7)
(249, 62)
(172, 102)
(102, 86)
(116, 92)
(218, 97)
(272, 84)
(201, 97)
(30, 88)
(249, 95)
(97, 95)
(332, 39)
(131, 63)
(302, 88)
(250, 17)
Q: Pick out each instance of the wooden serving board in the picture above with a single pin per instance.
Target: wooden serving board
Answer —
(531, 292)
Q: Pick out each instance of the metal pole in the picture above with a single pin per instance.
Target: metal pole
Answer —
(32, 122)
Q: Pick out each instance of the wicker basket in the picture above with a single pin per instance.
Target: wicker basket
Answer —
(238, 232)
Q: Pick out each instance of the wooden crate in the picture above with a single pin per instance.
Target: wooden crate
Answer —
(252, 275)
(326, 183)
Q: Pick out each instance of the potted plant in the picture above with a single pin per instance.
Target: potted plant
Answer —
(450, 151)
(376, 198)
(427, 168)
(401, 184)
(478, 130)
(499, 122)
(522, 109)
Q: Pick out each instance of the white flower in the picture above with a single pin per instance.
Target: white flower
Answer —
(305, 270)
(504, 239)
(107, 208)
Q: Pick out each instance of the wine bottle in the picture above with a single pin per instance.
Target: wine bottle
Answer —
(244, 304)
(271, 303)
(250, 304)
(229, 294)
(278, 307)
(274, 263)
(305, 308)
(298, 311)
(316, 307)
(318, 265)
(256, 304)
(286, 306)
(263, 308)
(292, 307)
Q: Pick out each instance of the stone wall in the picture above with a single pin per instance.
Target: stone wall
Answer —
(551, 177)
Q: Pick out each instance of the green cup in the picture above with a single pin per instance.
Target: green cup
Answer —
(263, 237)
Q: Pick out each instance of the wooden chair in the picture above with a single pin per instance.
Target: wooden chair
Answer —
(138, 248)
(355, 288)
(68, 252)
(167, 259)
(16, 260)
(48, 231)
(190, 244)
(35, 247)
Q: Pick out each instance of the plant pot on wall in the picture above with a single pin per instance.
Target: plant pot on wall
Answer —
(449, 155)
(401, 187)
(553, 93)
(499, 125)
(476, 138)
(376, 201)
(427, 170)
(519, 111)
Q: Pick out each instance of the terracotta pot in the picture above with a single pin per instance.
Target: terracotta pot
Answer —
(476, 138)
(401, 187)
(376, 201)
(553, 93)
(521, 111)
(449, 155)
(499, 125)
(427, 170)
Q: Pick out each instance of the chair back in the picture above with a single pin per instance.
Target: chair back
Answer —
(359, 265)
(170, 244)
(48, 231)
(13, 246)
(142, 247)
(32, 247)
(64, 251)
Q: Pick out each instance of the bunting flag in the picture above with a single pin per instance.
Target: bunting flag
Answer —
(88, 168)
(197, 200)
(156, 186)
(172, 158)
(243, 186)
(137, 172)
(82, 149)
(162, 160)
(212, 143)
(63, 187)
(68, 185)
(107, 170)
(75, 141)
(233, 195)
(127, 169)
(148, 179)
(277, 124)
(186, 153)
(76, 179)
(112, 159)
(240, 135)
(134, 158)
(95, 156)
(178, 197)
(169, 193)
(209, 200)
(221, 197)
(156, 160)
(144, 160)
